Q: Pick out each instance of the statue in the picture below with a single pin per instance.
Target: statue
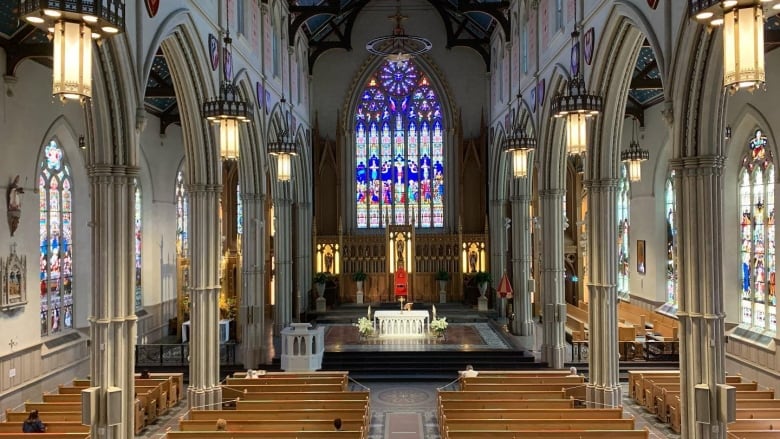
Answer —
(328, 261)
(473, 261)
(399, 248)
(13, 198)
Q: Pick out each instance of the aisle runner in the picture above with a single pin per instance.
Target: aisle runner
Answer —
(403, 426)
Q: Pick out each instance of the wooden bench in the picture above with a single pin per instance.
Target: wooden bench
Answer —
(565, 434)
(51, 427)
(20, 435)
(748, 399)
(11, 416)
(272, 425)
(523, 373)
(755, 424)
(635, 379)
(756, 434)
(359, 414)
(449, 395)
(265, 434)
(276, 380)
(280, 396)
(167, 386)
(356, 403)
(576, 390)
(176, 377)
(45, 407)
(479, 423)
(232, 392)
(758, 413)
(508, 404)
(503, 413)
(56, 397)
(322, 373)
(520, 379)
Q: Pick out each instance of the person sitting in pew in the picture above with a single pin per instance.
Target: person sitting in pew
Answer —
(469, 372)
(33, 424)
(221, 425)
(337, 424)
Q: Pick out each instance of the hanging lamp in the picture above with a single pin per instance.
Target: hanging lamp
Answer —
(633, 157)
(519, 145)
(284, 146)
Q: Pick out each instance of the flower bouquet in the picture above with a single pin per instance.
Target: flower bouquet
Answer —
(365, 326)
(439, 326)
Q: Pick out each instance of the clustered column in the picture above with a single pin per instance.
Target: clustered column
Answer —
(521, 261)
(552, 272)
(283, 255)
(700, 301)
(204, 390)
(603, 388)
(303, 254)
(252, 309)
(113, 321)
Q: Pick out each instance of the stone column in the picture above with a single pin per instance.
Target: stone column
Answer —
(303, 255)
(552, 272)
(252, 310)
(699, 184)
(498, 246)
(523, 323)
(283, 254)
(204, 391)
(603, 388)
(112, 324)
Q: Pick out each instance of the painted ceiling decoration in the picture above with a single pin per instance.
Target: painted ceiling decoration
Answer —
(328, 23)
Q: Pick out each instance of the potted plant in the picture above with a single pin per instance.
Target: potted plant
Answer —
(439, 326)
(482, 279)
(359, 277)
(320, 279)
(365, 326)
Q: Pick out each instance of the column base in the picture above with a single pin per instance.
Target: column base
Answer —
(553, 356)
(482, 303)
(603, 397)
(205, 399)
(321, 304)
(525, 328)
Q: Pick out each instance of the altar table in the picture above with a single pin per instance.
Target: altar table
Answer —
(401, 323)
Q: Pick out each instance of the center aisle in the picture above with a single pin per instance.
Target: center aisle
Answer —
(393, 402)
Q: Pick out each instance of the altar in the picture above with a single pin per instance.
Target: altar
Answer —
(401, 323)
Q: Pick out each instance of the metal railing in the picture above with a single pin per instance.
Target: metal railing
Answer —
(177, 354)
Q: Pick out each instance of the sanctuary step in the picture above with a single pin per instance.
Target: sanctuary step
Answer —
(425, 365)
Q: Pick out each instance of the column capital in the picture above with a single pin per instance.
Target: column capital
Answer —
(202, 188)
(253, 196)
(687, 164)
(111, 170)
(522, 198)
(602, 184)
(551, 193)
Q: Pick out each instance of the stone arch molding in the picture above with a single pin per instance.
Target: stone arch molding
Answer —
(744, 125)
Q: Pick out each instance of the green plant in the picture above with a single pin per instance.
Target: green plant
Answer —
(365, 326)
(443, 275)
(482, 277)
(439, 325)
(359, 276)
(321, 277)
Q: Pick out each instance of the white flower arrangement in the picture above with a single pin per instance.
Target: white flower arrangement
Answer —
(365, 326)
(439, 325)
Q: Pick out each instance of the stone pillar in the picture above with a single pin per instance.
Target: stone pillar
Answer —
(604, 387)
(523, 323)
(700, 302)
(112, 324)
(283, 254)
(303, 255)
(552, 272)
(204, 390)
(498, 246)
(252, 310)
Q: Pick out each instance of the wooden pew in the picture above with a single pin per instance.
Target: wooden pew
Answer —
(356, 403)
(449, 395)
(53, 427)
(509, 404)
(758, 413)
(176, 377)
(276, 380)
(11, 416)
(504, 413)
(56, 397)
(576, 391)
(20, 435)
(297, 396)
(746, 400)
(322, 373)
(45, 407)
(635, 378)
(233, 392)
(264, 435)
(523, 373)
(763, 403)
(272, 425)
(288, 415)
(81, 382)
(478, 423)
(158, 394)
(754, 424)
(585, 434)
(756, 434)
(519, 379)
(167, 387)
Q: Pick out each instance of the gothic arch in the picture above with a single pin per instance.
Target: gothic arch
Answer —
(551, 149)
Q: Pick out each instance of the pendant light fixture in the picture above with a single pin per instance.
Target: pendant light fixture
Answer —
(634, 156)
(283, 146)
(518, 145)
(72, 25)
(228, 110)
(575, 104)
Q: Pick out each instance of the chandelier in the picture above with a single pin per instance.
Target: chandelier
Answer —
(743, 37)
(284, 146)
(228, 110)
(634, 156)
(398, 47)
(575, 104)
(519, 145)
(72, 25)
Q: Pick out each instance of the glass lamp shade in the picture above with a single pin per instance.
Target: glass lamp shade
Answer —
(229, 143)
(520, 163)
(633, 157)
(634, 170)
(576, 133)
(72, 61)
(284, 167)
(743, 48)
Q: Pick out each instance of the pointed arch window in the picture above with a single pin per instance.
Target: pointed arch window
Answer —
(55, 189)
(671, 241)
(138, 232)
(624, 256)
(182, 209)
(757, 236)
(399, 150)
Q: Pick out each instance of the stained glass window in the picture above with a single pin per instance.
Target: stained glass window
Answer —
(671, 241)
(624, 256)
(182, 208)
(137, 239)
(55, 189)
(757, 236)
(399, 150)
(239, 212)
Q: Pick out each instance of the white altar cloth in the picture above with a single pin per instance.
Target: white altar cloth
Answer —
(401, 323)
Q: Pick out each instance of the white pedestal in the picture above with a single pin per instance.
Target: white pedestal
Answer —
(359, 298)
(321, 304)
(482, 304)
(442, 297)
